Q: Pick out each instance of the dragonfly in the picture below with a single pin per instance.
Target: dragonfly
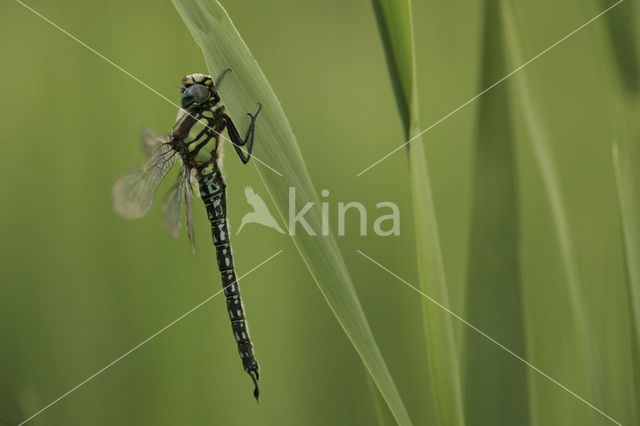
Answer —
(195, 143)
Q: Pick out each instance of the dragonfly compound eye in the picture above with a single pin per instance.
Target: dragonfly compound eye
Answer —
(195, 95)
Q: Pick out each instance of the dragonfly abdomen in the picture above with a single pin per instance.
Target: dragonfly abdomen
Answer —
(212, 190)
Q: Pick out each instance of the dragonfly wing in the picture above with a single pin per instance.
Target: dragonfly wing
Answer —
(172, 205)
(188, 196)
(151, 141)
(133, 191)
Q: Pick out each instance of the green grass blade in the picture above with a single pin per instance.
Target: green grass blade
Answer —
(628, 197)
(625, 121)
(396, 28)
(224, 48)
(541, 141)
(623, 107)
(493, 291)
(394, 21)
(443, 358)
(383, 415)
(622, 24)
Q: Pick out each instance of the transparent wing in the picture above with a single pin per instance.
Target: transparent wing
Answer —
(133, 191)
(188, 196)
(151, 141)
(172, 204)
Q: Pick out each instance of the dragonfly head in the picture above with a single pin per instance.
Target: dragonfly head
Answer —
(195, 95)
(198, 91)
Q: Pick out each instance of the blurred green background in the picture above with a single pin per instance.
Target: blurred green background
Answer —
(80, 286)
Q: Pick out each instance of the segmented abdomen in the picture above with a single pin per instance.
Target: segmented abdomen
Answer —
(212, 190)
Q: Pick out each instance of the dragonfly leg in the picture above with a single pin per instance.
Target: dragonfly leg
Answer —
(204, 136)
(239, 142)
(216, 87)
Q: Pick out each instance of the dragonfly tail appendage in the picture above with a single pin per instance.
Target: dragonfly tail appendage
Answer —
(212, 189)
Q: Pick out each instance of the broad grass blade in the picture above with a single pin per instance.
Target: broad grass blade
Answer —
(396, 28)
(493, 291)
(540, 141)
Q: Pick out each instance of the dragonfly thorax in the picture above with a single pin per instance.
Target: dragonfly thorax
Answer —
(196, 136)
